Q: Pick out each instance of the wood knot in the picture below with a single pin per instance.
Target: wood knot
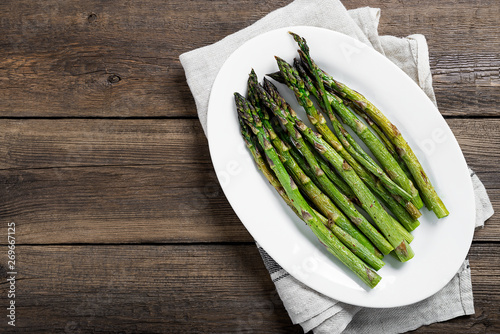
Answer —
(92, 18)
(113, 78)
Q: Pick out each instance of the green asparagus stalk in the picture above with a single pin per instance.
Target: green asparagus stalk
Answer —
(306, 213)
(373, 143)
(388, 144)
(348, 142)
(369, 232)
(397, 206)
(429, 195)
(310, 189)
(389, 227)
(337, 180)
(368, 201)
(251, 143)
(297, 85)
(287, 120)
(303, 164)
(323, 203)
(379, 240)
(376, 147)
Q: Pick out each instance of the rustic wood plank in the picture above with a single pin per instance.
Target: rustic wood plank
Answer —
(103, 59)
(168, 203)
(143, 289)
(466, 84)
(51, 143)
(126, 179)
(183, 289)
(113, 181)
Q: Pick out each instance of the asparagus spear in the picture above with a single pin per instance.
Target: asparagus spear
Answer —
(306, 213)
(348, 142)
(402, 212)
(375, 236)
(370, 233)
(404, 150)
(323, 182)
(368, 201)
(337, 180)
(297, 85)
(364, 133)
(373, 143)
(335, 224)
(388, 144)
(251, 143)
(370, 204)
(303, 164)
(311, 190)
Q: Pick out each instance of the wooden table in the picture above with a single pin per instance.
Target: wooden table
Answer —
(121, 225)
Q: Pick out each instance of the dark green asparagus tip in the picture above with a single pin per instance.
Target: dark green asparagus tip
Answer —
(279, 60)
(256, 117)
(274, 101)
(252, 81)
(286, 71)
(245, 123)
(238, 97)
(304, 76)
(240, 101)
(270, 87)
(298, 65)
(254, 96)
(252, 77)
(266, 98)
(240, 104)
(243, 126)
(304, 59)
(277, 76)
(301, 41)
(301, 68)
(246, 110)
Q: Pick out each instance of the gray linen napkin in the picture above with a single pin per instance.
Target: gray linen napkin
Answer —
(312, 310)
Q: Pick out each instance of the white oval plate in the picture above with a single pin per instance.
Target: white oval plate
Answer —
(440, 246)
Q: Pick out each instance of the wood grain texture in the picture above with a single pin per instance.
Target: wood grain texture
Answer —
(183, 289)
(115, 181)
(120, 59)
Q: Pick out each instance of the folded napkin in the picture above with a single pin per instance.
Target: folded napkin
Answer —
(312, 310)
